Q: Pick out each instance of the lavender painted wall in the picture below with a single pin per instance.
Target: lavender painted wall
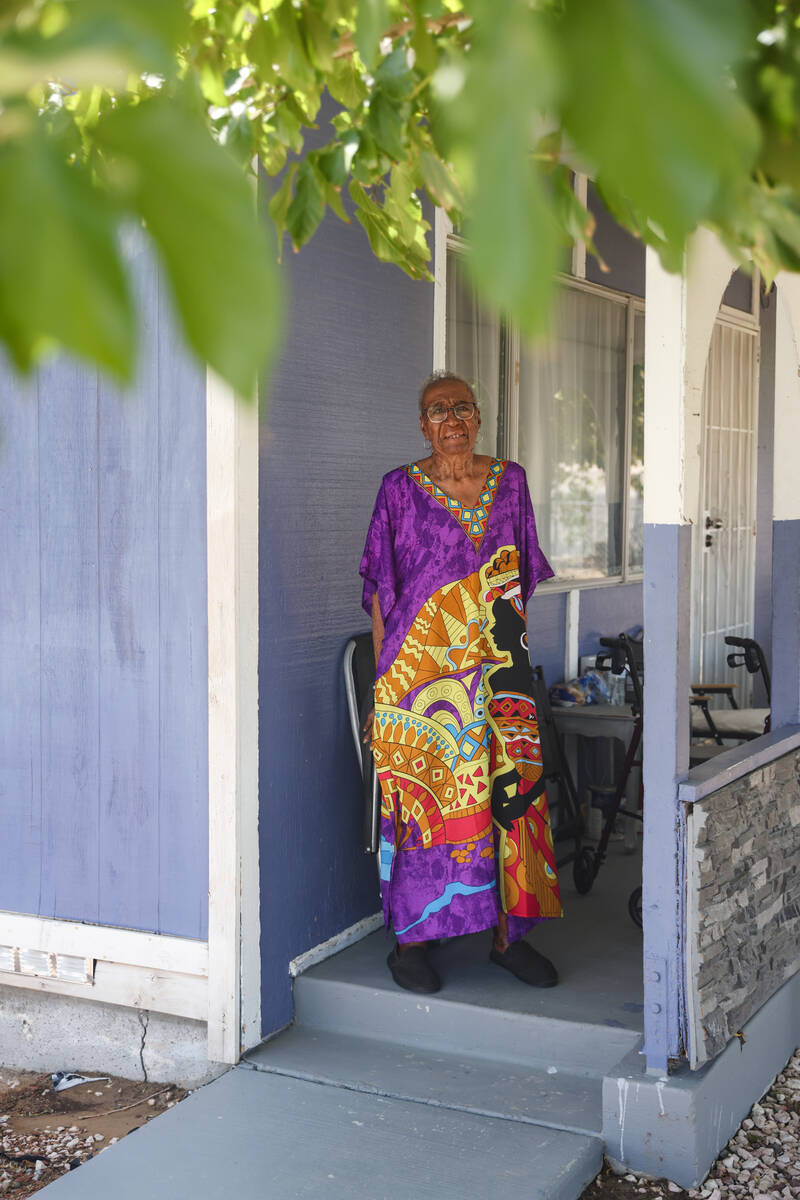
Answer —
(607, 611)
(103, 664)
(340, 412)
(786, 623)
(765, 454)
(546, 615)
(603, 611)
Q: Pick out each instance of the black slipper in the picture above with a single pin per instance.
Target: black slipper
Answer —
(412, 971)
(527, 964)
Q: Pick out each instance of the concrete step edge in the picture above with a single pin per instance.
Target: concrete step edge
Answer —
(610, 1043)
(394, 1094)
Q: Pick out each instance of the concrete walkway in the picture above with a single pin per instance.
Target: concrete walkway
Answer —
(484, 1090)
(256, 1136)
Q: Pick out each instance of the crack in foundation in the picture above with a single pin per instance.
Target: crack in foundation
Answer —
(144, 1021)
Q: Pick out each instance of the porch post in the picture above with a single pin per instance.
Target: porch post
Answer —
(786, 509)
(234, 997)
(679, 320)
(667, 569)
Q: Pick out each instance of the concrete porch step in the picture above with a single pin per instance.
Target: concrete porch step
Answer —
(460, 1082)
(482, 1012)
(258, 1136)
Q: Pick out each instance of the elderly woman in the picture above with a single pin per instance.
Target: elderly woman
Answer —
(451, 560)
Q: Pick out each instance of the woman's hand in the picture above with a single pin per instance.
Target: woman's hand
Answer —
(367, 727)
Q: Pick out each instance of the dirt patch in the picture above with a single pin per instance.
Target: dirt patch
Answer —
(608, 1186)
(44, 1133)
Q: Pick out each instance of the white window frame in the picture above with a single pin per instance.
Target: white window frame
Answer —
(446, 239)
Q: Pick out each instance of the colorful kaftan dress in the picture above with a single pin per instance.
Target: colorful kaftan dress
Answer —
(465, 830)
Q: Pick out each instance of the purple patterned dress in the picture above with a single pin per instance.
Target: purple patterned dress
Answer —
(465, 831)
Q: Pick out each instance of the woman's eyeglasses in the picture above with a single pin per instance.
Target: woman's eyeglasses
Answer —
(464, 410)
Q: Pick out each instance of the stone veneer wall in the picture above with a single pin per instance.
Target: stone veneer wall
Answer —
(743, 904)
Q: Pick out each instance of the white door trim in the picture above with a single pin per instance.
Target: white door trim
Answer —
(234, 966)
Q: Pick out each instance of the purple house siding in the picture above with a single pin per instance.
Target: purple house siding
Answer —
(339, 413)
(103, 683)
(546, 615)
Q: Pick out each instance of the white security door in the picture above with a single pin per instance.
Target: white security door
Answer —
(724, 539)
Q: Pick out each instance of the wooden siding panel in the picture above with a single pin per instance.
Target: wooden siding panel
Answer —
(103, 693)
(183, 666)
(129, 635)
(20, 733)
(69, 711)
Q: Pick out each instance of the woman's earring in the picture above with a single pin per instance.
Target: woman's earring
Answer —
(523, 641)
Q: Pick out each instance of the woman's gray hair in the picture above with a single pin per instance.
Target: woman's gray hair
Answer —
(444, 377)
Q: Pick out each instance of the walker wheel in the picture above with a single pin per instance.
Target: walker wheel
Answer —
(584, 870)
(635, 906)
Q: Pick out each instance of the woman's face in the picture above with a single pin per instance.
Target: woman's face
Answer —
(453, 435)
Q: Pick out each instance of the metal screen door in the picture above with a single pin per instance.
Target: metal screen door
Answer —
(724, 540)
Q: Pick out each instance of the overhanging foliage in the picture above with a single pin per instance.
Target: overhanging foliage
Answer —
(685, 112)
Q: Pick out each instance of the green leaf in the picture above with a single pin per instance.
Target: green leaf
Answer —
(372, 21)
(212, 83)
(158, 26)
(486, 112)
(393, 76)
(318, 39)
(385, 123)
(345, 83)
(649, 102)
(443, 187)
(334, 201)
(100, 44)
(279, 204)
(290, 50)
(237, 137)
(332, 163)
(271, 152)
(384, 239)
(84, 55)
(514, 240)
(573, 216)
(261, 46)
(288, 128)
(308, 206)
(422, 43)
(58, 235)
(200, 212)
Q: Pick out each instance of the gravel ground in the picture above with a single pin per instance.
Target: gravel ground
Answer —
(44, 1133)
(762, 1159)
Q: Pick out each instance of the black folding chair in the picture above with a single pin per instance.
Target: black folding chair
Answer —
(359, 683)
(732, 723)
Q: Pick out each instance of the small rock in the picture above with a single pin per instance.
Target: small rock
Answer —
(151, 1101)
(673, 1187)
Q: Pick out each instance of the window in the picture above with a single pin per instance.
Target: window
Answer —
(570, 411)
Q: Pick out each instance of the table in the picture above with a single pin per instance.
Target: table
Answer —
(601, 721)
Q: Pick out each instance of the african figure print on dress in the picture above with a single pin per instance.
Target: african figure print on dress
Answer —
(465, 829)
